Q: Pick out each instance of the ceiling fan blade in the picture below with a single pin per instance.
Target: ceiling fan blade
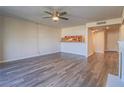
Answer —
(64, 18)
(46, 17)
(48, 12)
(63, 13)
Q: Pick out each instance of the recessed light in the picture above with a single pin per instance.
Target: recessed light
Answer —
(107, 27)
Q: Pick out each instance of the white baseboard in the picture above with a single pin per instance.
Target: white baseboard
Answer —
(10, 60)
(73, 53)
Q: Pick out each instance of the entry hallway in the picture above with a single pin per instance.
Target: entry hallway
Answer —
(60, 70)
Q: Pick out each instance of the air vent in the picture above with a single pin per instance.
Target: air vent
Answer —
(100, 23)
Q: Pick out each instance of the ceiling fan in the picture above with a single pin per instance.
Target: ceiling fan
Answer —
(55, 15)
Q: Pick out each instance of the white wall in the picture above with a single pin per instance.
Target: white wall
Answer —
(1, 30)
(71, 47)
(24, 39)
(19, 39)
(99, 41)
(49, 40)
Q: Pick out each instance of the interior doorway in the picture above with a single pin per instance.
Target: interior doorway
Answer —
(103, 38)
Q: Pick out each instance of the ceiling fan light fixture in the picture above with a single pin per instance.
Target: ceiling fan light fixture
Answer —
(55, 18)
(56, 15)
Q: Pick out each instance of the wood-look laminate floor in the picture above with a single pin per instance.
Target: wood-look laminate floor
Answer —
(59, 70)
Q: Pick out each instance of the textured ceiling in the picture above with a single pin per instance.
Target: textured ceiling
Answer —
(78, 15)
